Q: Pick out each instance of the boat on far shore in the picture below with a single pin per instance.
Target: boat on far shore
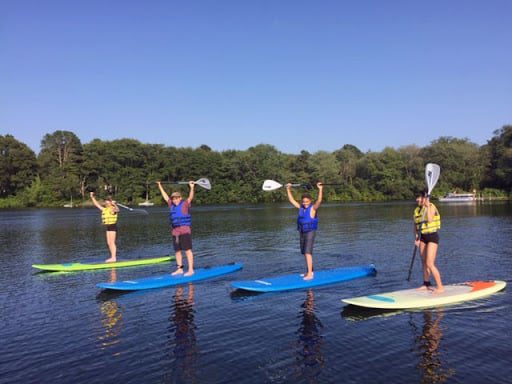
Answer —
(146, 203)
(454, 197)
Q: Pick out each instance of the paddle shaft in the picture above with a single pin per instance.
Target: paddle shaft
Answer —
(204, 183)
(132, 209)
(124, 206)
(412, 263)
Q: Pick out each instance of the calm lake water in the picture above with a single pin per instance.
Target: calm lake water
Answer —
(60, 328)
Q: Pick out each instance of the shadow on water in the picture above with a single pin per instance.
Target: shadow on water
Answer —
(182, 348)
(355, 313)
(243, 295)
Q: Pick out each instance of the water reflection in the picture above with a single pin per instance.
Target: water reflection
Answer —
(309, 358)
(111, 319)
(427, 340)
(428, 343)
(182, 342)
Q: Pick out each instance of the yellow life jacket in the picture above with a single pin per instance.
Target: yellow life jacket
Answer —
(420, 219)
(108, 217)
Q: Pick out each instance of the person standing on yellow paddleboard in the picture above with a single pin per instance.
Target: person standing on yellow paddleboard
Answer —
(427, 222)
(109, 219)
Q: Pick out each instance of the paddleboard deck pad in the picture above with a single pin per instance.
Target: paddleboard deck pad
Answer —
(296, 281)
(169, 280)
(421, 298)
(79, 266)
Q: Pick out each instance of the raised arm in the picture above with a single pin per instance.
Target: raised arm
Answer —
(320, 187)
(115, 208)
(192, 185)
(431, 211)
(290, 196)
(162, 191)
(95, 202)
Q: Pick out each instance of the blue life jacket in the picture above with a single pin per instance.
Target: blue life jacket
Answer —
(177, 218)
(305, 223)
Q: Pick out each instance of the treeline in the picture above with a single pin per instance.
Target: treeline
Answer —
(67, 169)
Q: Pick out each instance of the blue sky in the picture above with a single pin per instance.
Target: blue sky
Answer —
(311, 75)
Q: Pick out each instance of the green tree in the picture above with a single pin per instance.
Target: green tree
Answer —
(116, 167)
(460, 162)
(18, 166)
(347, 157)
(299, 167)
(59, 162)
(497, 154)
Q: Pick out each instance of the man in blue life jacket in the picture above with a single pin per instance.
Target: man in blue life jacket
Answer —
(180, 222)
(307, 224)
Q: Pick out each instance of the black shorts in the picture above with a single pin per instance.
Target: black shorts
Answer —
(430, 238)
(111, 227)
(307, 240)
(182, 242)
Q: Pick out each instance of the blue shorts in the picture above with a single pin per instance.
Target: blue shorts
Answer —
(307, 240)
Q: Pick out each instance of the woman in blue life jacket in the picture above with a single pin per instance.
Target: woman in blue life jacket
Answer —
(109, 220)
(427, 222)
(307, 224)
(180, 222)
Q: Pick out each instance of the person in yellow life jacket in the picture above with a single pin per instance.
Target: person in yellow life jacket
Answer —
(109, 219)
(427, 222)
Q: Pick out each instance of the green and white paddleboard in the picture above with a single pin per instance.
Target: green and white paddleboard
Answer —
(78, 266)
(416, 298)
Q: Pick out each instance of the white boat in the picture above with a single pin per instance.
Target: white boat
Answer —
(146, 203)
(458, 197)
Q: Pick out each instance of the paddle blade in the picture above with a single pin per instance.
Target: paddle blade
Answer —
(432, 172)
(271, 185)
(205, 183)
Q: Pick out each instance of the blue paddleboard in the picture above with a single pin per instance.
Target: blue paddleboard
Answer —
(169, 280)
(296, 281)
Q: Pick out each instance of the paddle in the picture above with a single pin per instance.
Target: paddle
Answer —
(432, 172)
(271, 185)
(203, 182)
(143, 211)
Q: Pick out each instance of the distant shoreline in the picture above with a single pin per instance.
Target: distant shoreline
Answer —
(89, 204)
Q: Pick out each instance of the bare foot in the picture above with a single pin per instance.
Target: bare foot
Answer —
(111, 260)
(308, 276)
(178, 271)
(189, 273)
(437, 291)
(424, 288)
